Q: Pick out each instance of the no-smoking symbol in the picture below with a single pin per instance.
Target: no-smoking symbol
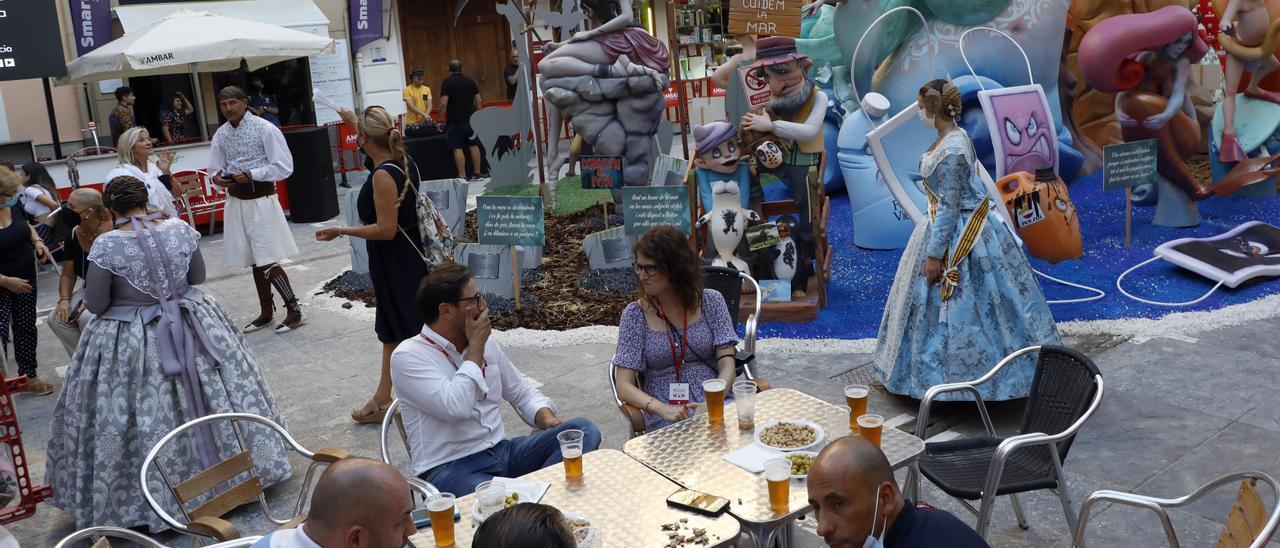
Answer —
(755, 83)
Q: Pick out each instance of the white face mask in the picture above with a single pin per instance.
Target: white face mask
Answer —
(872, 541)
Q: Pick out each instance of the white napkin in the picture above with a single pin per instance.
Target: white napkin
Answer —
(530, 491)
(752, 457)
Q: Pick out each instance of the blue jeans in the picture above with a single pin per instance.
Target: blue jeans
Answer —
(509, 458)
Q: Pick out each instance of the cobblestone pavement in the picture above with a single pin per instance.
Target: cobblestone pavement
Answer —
(1178, 411)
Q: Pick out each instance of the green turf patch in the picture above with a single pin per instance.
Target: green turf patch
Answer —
(570, 196)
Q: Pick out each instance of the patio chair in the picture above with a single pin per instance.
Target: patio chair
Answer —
(205, 519)
(1248, 524)
(197, 195)
(729, 283)
(420, 487)
(104, 534)
(1065, 393)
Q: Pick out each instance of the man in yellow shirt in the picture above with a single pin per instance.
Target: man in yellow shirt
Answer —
(417, 99)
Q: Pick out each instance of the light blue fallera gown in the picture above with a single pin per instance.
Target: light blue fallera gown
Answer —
(995, 308)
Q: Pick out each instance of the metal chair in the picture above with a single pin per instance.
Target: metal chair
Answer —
(1065, 393)
(205, 520)
(103, 533)
(392, 419)
(1248, 517)
(199, 196)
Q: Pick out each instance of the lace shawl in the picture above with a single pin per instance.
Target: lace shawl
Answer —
(120, 253)
(955, 142)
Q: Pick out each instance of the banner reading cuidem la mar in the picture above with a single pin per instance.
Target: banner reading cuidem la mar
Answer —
(366, 22)
(90, 24)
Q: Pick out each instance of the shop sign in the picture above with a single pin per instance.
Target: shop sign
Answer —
(670, 95)
(645, 207)
(765, 17)
(90, 24)
(601, 171)
(510, 220)
(30, 41)
(366, 22)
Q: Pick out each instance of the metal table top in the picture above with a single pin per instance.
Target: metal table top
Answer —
(690, 452)
(622, 497)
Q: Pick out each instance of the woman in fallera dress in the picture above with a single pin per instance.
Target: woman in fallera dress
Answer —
(159, 353)
(964, 296)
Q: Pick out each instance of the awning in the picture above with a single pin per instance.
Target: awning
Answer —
(302, 15)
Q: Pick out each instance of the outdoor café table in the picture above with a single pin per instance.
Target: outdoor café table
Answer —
(624, 500)
(690, 453)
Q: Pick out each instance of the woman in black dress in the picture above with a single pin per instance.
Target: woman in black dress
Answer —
(397, 261)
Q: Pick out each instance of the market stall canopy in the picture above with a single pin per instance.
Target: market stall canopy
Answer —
(193, 41)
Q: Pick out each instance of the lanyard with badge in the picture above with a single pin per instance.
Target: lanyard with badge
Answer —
(678, 392)
(483, 372)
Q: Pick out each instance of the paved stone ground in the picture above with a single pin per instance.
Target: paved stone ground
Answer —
(1178, 411)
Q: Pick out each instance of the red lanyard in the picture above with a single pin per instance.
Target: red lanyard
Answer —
(676, 362)
(446, 353)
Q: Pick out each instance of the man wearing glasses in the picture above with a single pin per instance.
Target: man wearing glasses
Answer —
(451, 380)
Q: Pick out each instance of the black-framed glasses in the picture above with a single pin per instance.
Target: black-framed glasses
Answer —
(477, 298)
(647, 269)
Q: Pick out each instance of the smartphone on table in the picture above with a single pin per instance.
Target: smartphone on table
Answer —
(701, 503)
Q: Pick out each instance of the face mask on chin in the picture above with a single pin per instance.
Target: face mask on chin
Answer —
(924, 117)
(68, 218)
(12, 201)
(872, 541)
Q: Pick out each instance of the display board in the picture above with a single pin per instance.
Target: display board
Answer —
(646, 207)
(510, 220)
(30, 40)
(331, 74)
(765, 17)
(1126, 165)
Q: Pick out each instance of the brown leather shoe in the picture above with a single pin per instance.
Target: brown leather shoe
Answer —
(39, 387)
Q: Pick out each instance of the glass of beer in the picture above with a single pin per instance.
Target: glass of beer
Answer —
(777, 472)
(571, 452)
(744, 398)
(855, 396)
(440, 508)
(713, 389)
(870, 427)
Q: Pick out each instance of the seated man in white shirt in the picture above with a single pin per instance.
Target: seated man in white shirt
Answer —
(451, 380)
(357, 502)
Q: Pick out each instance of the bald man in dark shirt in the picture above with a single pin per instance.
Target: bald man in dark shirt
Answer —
(855, 496)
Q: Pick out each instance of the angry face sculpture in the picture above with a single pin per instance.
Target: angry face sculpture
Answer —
(1022, 132)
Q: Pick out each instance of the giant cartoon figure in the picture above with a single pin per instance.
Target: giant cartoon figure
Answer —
(728, 224)
(608, 81)
(719, 157)
(1145, 57)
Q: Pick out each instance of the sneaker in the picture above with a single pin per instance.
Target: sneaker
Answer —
(291, 322)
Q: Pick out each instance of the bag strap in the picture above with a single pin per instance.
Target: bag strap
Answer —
(408, 180)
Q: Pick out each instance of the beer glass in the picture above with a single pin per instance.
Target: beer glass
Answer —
(440, 508)
(571, 452)
(491, 497)
(713, 389)
(777, 472)
(870, 427)
(744, 398)
(855, 396)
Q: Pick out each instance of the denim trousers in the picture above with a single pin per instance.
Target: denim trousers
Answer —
(509, 458)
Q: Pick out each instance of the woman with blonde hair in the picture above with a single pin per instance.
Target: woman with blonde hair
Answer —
(20, 246)
(964, 296)
(400, 255)
(134, 149)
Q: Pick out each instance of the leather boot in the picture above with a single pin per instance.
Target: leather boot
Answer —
(263, 285)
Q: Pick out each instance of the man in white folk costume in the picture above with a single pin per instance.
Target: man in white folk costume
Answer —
(246, 157)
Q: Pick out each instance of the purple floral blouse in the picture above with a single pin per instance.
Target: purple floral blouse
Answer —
(649, 352)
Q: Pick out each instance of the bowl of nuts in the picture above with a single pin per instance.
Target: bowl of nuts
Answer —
(800, 463)
(789, 435)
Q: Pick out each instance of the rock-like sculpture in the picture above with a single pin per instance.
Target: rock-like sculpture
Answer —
(608, 81)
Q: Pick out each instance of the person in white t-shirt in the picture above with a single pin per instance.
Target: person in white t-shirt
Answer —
(39, 193)
(357, 502)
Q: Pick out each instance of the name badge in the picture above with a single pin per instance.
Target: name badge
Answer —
(679, 393)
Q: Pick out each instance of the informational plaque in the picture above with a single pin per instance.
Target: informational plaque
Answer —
(765, 17)
(1126, 165)
(510, 220)
(646, 207)
(485, 266)
(331, 74)
(601, 171)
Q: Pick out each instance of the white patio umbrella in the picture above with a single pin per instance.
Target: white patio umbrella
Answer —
(190, 41)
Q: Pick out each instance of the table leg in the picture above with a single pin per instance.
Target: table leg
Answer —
(768, 536)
